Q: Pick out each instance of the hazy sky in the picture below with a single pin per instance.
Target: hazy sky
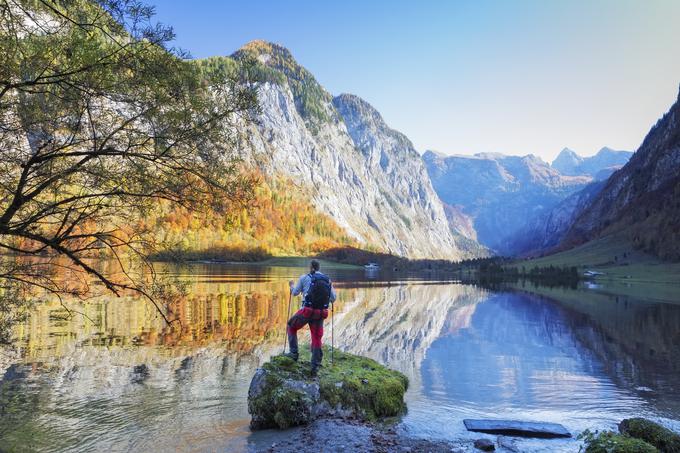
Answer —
(516, 77)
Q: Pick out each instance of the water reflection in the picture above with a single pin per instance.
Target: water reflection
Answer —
(637, 342)
(519, 357)
(396, 325)
(120, 379)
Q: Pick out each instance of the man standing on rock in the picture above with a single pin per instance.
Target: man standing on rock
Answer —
(317, 293)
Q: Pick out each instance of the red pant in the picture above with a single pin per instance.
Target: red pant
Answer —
(314, 318)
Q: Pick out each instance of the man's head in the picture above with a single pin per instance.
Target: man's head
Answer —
(314, 265)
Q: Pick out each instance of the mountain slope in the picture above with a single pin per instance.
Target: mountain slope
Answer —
(500, 193)
(545, 231)
(391, 153)
(599, 166)
(364, 175)
(642, 199)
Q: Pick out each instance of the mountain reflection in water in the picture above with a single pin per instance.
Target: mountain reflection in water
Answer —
(122, 380)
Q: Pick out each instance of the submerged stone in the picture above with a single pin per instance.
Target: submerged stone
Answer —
(139, 374)
(484, 445)
(283, 394)
(517, 428)
(508, 444)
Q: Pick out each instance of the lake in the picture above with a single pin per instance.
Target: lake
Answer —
(116, 378)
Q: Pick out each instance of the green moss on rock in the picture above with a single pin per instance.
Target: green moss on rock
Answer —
(280, 405)
(662, 438)
(283, 394)
(610, 442)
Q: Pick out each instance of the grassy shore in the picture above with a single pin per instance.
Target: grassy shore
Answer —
(302, 261)
(625, 271)
(356, 256)
(336, 258)
(615, 258)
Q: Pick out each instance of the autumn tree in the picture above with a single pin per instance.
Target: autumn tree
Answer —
(100, 119)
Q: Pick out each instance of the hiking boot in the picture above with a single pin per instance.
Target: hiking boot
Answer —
(291, 355)
(293, 346)
(317, 356)
(315, 372)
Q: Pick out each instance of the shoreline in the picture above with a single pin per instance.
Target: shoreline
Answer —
(277, 261)
(342, 434)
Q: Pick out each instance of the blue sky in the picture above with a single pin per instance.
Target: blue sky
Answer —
(516, 77)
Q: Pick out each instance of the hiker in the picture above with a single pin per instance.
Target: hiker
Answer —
(317, 292)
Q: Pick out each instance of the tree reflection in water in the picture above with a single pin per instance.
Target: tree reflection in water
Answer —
(121, 379)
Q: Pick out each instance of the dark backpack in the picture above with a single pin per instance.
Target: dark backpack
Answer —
(319, 294)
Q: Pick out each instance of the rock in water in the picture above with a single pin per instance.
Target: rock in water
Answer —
(517, 428)
(662, 438)
(484, 445)
(140, 373)
(507, 444)
(282, 393)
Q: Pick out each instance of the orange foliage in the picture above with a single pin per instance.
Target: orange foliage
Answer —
(280, 220)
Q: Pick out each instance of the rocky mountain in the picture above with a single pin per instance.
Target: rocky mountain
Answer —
(545, 231)
(600, 166)
(364, 175)
(501, 194)
(642, 199)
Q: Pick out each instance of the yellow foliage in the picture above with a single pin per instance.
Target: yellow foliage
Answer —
(280, 220)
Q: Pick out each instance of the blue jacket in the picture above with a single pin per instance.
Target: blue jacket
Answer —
(303, 285)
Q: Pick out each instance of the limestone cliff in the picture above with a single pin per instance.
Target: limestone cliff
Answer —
(363, 174)
(640, 200)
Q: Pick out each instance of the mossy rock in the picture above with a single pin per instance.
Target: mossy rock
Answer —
(610, 442)
(662, 438)
(283, 393)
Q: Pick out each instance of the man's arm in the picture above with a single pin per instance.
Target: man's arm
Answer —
(297, 289)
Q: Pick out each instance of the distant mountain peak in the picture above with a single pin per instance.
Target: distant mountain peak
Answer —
(499, 193)
(274, 56)
(279, 66)
(568, 152)
(567, 156)
(259, 47)
(432, 154)
(568, 162)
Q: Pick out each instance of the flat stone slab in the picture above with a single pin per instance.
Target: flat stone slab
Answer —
(517, 428)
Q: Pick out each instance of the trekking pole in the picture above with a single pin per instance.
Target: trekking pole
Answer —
(285, 325)
(332, 331)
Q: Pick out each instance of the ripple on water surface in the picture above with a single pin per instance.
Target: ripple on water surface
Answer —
(128, 382)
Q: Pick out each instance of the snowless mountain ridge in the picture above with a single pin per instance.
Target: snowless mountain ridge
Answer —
(640, 201)
(568, 162)
(370, 179)
(363, 174)
(507, 197)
